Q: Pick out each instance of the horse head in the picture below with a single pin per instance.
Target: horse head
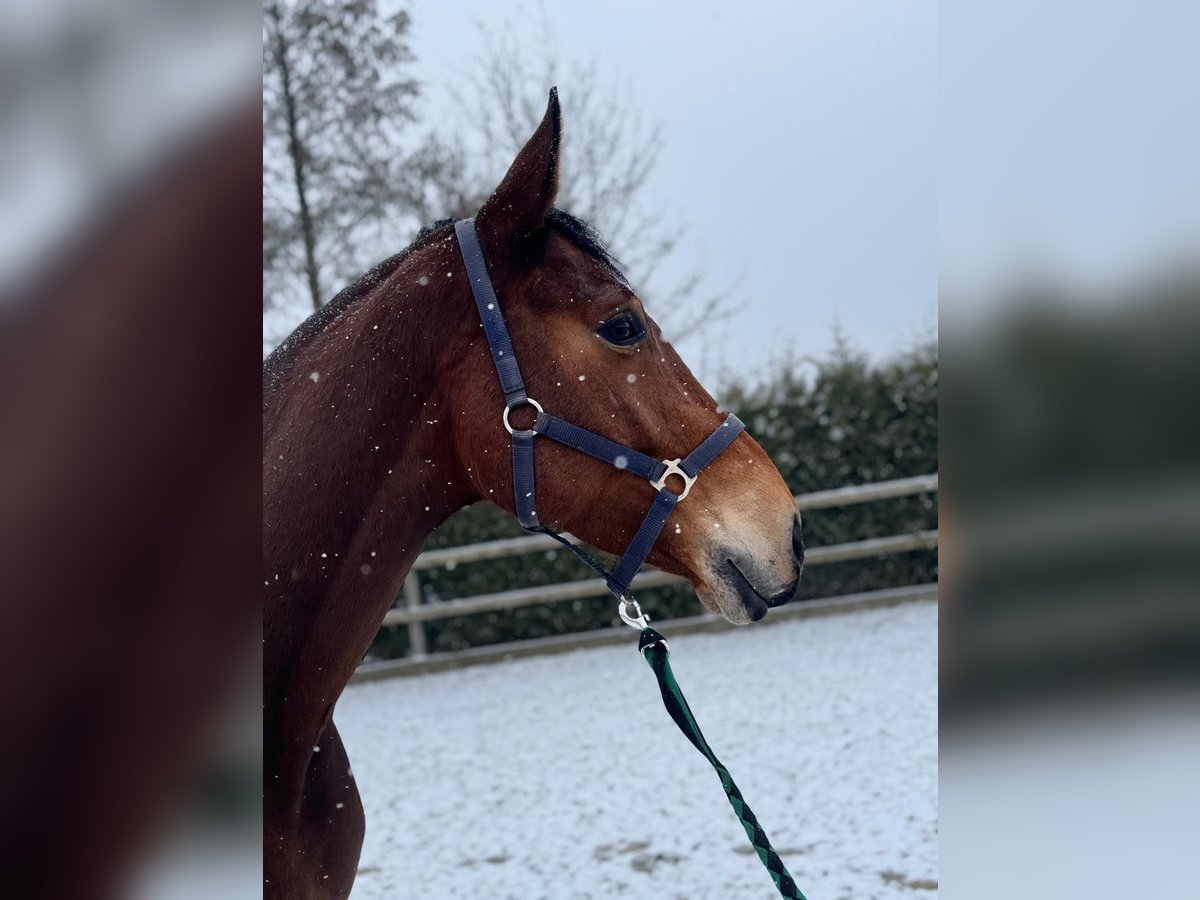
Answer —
(591, 354)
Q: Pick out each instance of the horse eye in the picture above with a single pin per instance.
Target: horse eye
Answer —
(623, 330)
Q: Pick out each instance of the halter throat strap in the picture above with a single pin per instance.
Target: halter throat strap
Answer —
(547, 425)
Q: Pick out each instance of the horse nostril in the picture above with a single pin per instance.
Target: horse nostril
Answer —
(798, 541)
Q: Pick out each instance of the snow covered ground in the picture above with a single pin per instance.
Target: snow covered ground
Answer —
(563, 776)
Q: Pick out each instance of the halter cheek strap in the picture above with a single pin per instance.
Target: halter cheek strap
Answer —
(549, 426)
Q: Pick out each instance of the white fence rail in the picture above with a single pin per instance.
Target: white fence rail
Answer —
(415, 612)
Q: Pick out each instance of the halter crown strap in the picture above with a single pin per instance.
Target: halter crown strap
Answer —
(489, 314)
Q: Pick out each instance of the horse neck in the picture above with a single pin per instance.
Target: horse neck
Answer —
(359, 468)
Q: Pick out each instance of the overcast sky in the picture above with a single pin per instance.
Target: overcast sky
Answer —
(800, 152)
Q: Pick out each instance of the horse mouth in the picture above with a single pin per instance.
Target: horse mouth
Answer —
(755, 604)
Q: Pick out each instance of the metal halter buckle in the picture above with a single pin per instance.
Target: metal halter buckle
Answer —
(673, 469)
(508, 409)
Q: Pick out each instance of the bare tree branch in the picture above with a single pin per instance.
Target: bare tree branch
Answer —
(610, 154)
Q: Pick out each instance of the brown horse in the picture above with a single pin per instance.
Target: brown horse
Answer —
(382, 416)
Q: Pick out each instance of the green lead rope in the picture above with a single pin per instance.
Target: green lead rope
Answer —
(654, 648)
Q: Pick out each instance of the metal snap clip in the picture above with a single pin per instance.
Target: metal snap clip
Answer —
(639, 620)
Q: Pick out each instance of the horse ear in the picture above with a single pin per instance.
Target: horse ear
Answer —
(517, 209)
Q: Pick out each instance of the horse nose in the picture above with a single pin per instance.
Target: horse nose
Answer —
(789, 593)
(798, 543)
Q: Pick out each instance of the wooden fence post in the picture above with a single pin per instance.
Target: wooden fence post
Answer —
(417, 645)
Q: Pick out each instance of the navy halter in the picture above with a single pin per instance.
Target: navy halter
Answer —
(547, 425)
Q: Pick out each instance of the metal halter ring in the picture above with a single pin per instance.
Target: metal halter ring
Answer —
(508, 409)
(673, 469)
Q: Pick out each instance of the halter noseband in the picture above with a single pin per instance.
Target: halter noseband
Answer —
(563, 432)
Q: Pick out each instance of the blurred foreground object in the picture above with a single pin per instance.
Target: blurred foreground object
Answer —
(1070, 323)
(128, 432)
(128, 518)
(93, 96)
(1073, 444)
(1070, 646)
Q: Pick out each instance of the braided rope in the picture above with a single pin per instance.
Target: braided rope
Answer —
(654, 648)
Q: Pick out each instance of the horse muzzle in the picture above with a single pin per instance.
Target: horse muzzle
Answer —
(748, 586)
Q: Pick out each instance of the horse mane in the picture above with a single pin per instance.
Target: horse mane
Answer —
(279, 363)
